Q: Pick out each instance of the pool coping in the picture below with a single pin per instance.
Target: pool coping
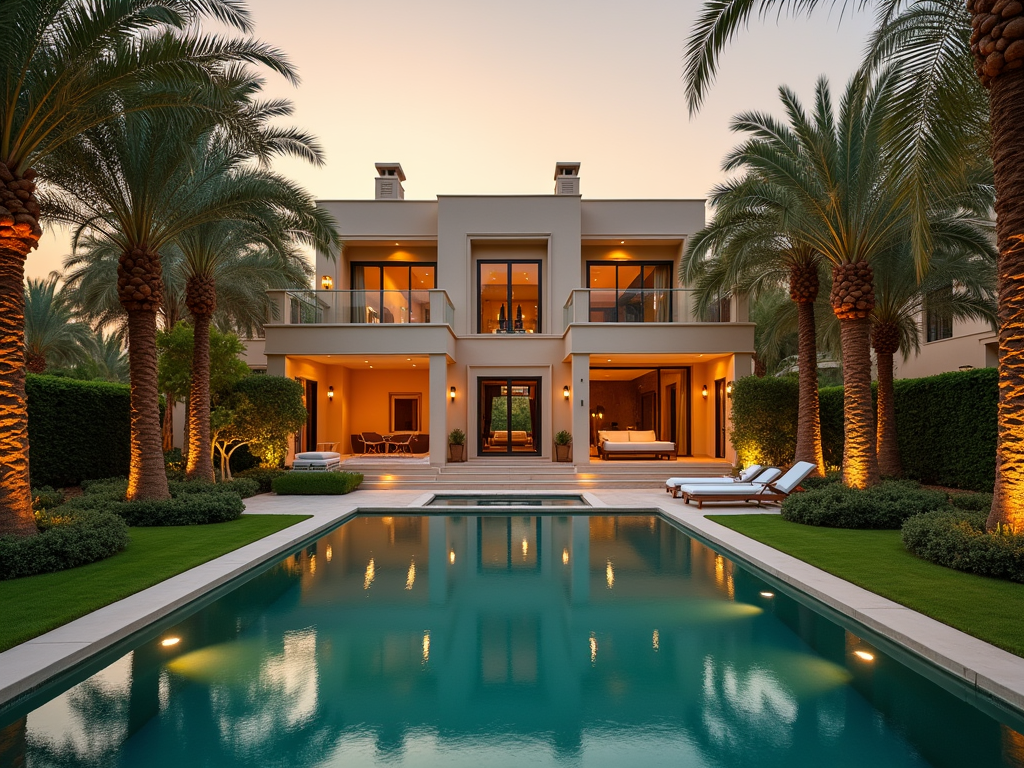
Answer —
(982, 666)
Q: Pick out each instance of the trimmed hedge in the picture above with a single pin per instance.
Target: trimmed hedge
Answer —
(884, 506)
(316, 483)
(945, 425)
(66, 539)
(264, 476)
(77, 430)
(956, 538)
(191, 503)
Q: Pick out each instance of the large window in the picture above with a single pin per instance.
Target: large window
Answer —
(391, 293)
(631, 292)
(508, 297)
(938, 325)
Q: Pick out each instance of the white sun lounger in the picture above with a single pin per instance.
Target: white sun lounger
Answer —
(759, 494)
(317, 461)
(763, 478)
(745, 476)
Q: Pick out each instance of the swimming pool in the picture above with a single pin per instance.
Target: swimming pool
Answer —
(551, 640)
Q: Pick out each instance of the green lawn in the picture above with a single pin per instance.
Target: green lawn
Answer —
(36, 604)
(990, 609)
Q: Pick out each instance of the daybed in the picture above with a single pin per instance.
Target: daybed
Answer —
(633, 443)
(317, 461)
(759, 494)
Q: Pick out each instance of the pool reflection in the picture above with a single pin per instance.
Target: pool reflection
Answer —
(506, 640)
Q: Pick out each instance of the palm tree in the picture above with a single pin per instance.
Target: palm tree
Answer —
(212, 249)
(934, 40)
(828, 177)
(53, 336)
(959, 285)
(138, 182)
(67, 66)
(747, 246)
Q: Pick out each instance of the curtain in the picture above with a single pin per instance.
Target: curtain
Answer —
(533, 416)
(663, 296)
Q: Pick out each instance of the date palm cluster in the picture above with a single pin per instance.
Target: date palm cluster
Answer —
(125, 121)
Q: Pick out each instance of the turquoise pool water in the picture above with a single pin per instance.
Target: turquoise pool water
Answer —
(508, 500)
(504, 641)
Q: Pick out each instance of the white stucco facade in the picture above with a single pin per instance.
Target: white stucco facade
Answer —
(435, 310)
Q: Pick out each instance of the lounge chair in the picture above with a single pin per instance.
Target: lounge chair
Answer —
(759, 494)
(745, 476)
(373, 442)
(763, 478)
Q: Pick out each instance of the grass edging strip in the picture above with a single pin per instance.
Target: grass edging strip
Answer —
(987, 608)
(34, 605)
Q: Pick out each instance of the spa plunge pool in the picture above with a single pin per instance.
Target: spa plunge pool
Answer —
(490, 640)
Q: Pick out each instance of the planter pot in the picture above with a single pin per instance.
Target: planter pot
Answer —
(563, 452)
(457, 452)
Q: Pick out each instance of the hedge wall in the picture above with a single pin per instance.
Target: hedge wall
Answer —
(945, 425)
(77, 430)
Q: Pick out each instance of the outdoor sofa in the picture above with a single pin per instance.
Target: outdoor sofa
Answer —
(317, 461)
(773, 492)
(633, 443)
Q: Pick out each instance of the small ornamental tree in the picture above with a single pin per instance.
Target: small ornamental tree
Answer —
(226, 369)
(261, 413)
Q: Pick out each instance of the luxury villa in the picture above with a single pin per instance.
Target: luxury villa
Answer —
(511, 317)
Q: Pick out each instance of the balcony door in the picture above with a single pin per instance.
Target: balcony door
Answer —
(508, 297)
(391, 293)
(630, 292)
(509, 417)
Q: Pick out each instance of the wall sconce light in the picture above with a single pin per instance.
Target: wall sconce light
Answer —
(728, 388)
(704, 391)
(451, 393)
(330, 394)
(327, 282)
(565, 392)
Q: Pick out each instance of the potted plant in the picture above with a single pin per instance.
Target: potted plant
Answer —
(563, 446)
(457, 445)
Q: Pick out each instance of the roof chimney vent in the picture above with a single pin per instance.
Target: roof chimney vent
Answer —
(388, 184)
(567, 178)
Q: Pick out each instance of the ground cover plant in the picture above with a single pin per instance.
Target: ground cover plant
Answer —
(191, 503)
(956, 538)
(36, 604)
(316, 483)
(883, 506)
(989, 609)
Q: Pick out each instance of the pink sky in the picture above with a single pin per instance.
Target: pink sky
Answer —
(485, 97)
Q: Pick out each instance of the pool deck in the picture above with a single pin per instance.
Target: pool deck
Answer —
(990, 670)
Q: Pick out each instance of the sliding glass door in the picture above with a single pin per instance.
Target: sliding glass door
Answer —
(508, 297)
(509, 417)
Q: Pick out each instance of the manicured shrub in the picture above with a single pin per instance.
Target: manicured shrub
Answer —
(945, 425)
(77, 430)
(191, 503)
(830, 478)
(46, 498)
(956, 538)
(264, 477)
(316, 483)
(66, 539)
(764, 414)
(885, 505)
(976, 502)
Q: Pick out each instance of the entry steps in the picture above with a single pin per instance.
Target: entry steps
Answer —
(534, 474)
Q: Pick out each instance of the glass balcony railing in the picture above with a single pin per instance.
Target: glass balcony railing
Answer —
(630, 305)
(362, 307)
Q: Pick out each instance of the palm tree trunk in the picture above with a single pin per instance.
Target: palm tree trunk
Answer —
(1004, 77)
(889, 464)
(19, 234)
(14, 744)
(140, 290)
(803, 290)
(147, 477)
(860, 462)
(200, 447)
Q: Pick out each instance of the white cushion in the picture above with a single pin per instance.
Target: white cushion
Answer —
(796, 475)
(654, 445)
(613, 435)
(642, 436)
(317, 456)
(729, 489)
(765, 477)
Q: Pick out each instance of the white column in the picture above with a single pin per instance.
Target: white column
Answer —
(581, 409)
(439, 406)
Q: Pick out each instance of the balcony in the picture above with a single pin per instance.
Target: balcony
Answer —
(629, 305)
(362, 307)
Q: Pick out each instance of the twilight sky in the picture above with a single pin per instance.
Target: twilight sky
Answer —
(482, 97)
